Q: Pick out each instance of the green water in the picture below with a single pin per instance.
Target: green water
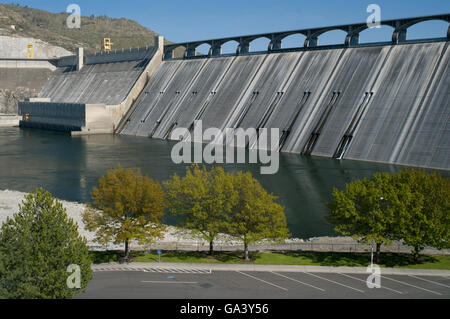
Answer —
(70, 166)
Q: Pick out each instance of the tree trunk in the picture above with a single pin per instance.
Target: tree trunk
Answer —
(211, 247)
(246, 252)
(127, 250)
(378, 254)
(416, 254)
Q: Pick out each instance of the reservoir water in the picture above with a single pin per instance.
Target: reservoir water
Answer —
(69, 167)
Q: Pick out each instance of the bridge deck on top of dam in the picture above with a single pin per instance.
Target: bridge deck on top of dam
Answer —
(400, 29)
(384, 102)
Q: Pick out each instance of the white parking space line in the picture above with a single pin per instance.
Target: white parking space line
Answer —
(396, 291)
(256, 278)
(301, 282)
(176, 271)
(407, 284)
(431, 281)
(335, 282)
(170, 282)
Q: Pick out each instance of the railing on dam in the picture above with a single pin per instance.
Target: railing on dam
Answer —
(400, 27)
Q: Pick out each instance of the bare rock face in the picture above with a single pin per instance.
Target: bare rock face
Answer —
(9, 99)
(19, 78)
(7, 102)
(17, 84)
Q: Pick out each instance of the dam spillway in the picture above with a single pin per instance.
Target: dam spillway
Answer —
(384, 103)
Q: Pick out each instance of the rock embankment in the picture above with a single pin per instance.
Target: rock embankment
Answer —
(177, 239)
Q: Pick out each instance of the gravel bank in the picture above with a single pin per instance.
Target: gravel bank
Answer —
(10, 200)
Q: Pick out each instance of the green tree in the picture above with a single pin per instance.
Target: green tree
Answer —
(427, 222)
(368, 209)
(126, 206)
(256, 215)
(202, 201)
(36, 247)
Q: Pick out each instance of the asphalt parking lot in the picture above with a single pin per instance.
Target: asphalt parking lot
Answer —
(201, 284)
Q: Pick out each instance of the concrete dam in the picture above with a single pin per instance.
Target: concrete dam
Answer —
(384, 102)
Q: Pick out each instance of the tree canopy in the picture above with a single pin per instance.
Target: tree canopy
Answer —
(126, 206)
(213, 202)
(202, 201)
(37, 246)
(411, 206)
(427, 222)
(256, 215)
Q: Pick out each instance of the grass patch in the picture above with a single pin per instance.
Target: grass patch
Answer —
(101, 257)
(279, 258)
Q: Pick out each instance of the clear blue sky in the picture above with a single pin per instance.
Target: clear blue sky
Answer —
(181, 20)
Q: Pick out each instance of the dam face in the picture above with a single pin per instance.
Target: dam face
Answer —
(382, 103)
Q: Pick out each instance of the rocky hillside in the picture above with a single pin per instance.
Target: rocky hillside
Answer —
(50, 27)
(22, 24)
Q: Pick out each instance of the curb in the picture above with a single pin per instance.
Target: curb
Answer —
(269, 268)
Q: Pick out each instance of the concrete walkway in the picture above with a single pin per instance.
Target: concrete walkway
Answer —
(7, 120)
(262, 268)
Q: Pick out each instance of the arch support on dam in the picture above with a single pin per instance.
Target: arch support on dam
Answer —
(400, 29)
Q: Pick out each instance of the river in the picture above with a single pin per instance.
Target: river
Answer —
(69, 167)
